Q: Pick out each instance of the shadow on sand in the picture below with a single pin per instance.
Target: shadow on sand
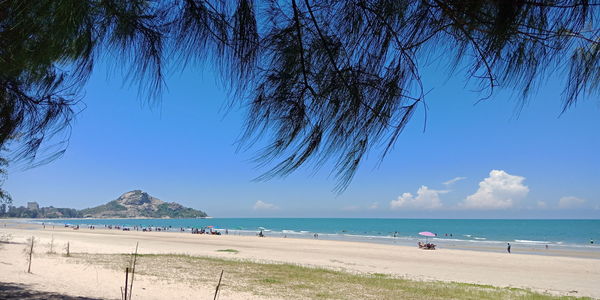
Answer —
(20, 291)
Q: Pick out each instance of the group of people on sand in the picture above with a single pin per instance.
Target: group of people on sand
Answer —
(205, 231)
(426, 246)
(144, 229)
(75, 227)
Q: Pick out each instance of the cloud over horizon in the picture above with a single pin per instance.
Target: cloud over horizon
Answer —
(426, 198)
(499, 190)
(570, 202)
(261, 205)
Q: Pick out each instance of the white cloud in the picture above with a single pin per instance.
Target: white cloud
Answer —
(570, 202)
(454, 180)
(374, 205)
(498, 191)
(426, 199)
(261, 205)
(542, 204)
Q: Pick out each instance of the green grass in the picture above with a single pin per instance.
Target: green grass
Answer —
(271, 281)
(299, 282)
(228, 250)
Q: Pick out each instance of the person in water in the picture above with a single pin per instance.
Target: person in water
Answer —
(508, 248)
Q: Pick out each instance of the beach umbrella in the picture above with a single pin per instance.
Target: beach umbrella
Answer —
(427, 234)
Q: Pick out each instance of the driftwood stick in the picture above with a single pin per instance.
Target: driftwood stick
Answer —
(30, 254)
(133, 270)
(126, 277)
(218, 285)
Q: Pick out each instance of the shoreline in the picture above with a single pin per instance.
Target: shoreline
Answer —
(536, 248)
(559, 275)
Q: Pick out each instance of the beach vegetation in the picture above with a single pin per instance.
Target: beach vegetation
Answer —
(269, 281)
(228, 250)
(5, 238)
(51, 246)
(291, 281)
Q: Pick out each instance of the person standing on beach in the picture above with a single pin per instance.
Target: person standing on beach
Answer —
(508, 248)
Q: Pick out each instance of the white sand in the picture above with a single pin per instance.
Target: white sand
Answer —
(553, 274)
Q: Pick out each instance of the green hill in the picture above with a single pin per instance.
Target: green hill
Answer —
(138, 204)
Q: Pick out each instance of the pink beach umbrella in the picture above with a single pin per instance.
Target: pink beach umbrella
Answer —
(427, 234)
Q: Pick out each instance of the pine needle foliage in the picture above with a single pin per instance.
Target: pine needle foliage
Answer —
(323, 81)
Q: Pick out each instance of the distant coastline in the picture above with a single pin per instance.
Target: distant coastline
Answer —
(132, 204)
(97, 218)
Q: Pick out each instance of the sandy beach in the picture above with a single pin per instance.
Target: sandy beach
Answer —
(558, 275)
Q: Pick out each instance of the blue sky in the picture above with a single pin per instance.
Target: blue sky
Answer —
(535, 164)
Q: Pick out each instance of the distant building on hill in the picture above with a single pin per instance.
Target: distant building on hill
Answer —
(33, 206)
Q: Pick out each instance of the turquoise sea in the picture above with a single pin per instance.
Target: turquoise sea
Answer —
(456, 232)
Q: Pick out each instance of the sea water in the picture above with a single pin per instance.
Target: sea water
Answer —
(461, 232)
